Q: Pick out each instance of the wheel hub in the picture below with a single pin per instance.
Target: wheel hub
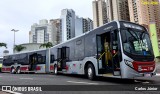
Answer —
(89, 72)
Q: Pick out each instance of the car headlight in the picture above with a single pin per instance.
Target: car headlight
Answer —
(129, 63)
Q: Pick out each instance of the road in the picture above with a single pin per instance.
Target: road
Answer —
(68, 80)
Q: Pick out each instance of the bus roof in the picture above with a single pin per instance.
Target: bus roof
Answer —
(26, 52)
(82, 34)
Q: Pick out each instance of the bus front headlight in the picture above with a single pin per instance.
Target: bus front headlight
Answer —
(129, 63)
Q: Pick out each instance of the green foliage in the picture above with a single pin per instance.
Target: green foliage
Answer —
(3, 45)
(46, 45)
(19, 48)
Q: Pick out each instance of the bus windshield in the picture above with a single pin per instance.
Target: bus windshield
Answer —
(136, 42)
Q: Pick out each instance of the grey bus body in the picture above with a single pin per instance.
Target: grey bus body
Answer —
(78, 54)
(131, 54)
(33, 61)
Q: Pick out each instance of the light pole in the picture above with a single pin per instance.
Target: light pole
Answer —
(14, 36)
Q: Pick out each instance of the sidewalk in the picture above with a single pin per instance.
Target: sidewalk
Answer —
(1, 92)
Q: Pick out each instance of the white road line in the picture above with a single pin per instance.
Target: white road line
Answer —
(27, 78)
(8, 91)
(136, 81)
(158, 74)
(82, 82)
(145, 82)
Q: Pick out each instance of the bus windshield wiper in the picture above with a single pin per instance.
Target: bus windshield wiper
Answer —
(132, 34)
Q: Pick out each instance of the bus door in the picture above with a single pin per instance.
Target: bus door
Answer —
(33, 62)
(59, 58)
(63, 56)
(116, 52)
(101, 54)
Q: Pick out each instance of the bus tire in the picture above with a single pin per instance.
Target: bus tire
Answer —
(13, 71)
(55, 70)
(18, 70)
(91, 72)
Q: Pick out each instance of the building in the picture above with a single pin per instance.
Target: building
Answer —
(42, 33)
(68, 24)
(87, 24)
(99, 13)
(78, 26)
(145, 12)
(57, 23)
(117, 10)
(82, 25)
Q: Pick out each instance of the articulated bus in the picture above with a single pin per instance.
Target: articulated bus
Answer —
(117, 49)
(34, 61)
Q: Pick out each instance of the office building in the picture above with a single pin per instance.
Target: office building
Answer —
(117, 10)
(42, 33)
(82, 25)
(68, 24)
(99, 13)
(57, 23)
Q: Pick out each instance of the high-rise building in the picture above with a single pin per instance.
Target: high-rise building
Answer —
(87, 24)
(99, 13)
(82, 25)
(57, 23)
(68, 24)
(78, 26)
(145, 12)
(117, 10)
(42, 33)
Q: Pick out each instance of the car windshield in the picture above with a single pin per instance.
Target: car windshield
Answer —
(136, 42)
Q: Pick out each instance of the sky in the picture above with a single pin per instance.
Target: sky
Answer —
(21, 14)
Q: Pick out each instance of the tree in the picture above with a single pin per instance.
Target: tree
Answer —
(3, 44)
(46, 45)
(19, 48)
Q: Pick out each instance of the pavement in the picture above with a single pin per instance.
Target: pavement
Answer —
(74, 80)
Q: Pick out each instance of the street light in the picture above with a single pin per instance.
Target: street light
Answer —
(14, 35)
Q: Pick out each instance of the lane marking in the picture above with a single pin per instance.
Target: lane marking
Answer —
(27, 78)
(136, 81)
(82, 82)
(8, 91)
(145, 82)
(157, 74)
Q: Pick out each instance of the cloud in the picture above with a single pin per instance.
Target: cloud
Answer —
(21, 14)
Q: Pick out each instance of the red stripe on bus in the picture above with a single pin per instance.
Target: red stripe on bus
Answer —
(38, 68)
(51, 67)
(6, 69)
(67, 67)
(145, 66)
(24, 68)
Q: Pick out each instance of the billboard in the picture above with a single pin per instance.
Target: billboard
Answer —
(154, 39)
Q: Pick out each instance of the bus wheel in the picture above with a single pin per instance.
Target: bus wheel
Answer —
(18, 70)
(91, 72)
(13, 70)
(55, 71)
